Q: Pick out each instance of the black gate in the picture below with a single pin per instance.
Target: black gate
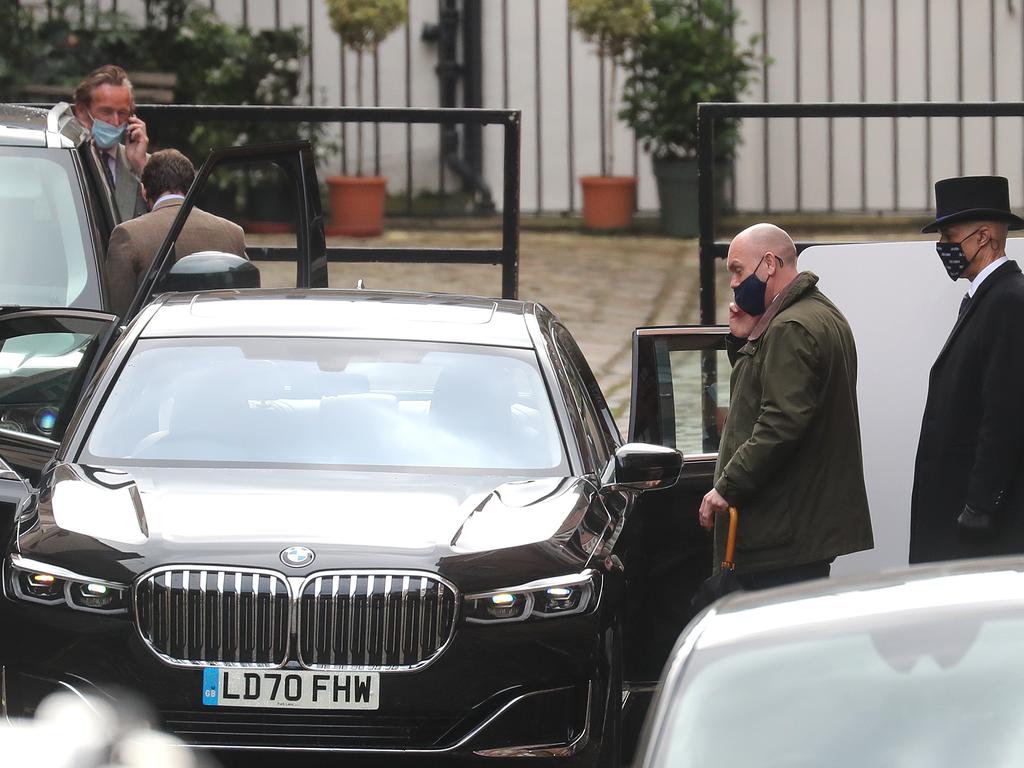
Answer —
(507, 256)
(708, 114)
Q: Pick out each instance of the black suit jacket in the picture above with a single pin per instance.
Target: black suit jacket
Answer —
(971, 449)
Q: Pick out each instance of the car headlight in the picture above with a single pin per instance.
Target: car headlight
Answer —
(543, 599)
(37, 582)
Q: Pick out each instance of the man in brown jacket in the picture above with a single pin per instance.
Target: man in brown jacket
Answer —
(790, 453)
(134, 244)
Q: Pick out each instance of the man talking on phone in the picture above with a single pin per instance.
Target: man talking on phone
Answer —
(105, 106)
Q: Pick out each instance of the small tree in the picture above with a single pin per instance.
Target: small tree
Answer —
(686, 56)
(612, 25)
(362, 25)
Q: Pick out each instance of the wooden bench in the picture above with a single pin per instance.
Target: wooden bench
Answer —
(150, 88)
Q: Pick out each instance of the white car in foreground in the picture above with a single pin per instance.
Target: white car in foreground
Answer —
(919, 667)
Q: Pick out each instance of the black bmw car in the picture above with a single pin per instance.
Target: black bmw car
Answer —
(337, 520)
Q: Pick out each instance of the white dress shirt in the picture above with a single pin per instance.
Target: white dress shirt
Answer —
(168, 196)
(985, 273)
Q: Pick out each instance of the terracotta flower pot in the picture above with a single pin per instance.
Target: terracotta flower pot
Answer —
(608, 201)
(357, 205)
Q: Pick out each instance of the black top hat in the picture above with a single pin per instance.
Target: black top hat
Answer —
(973, 198)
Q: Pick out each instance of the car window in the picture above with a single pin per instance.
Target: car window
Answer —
(36, 374)
(592, 438)
(45, 245)
(890, 692)
(329, 402)
(606, 422)
(681, 388)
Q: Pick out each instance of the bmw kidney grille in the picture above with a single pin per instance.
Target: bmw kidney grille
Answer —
(373, 620)
(196, 617)
(343, 619)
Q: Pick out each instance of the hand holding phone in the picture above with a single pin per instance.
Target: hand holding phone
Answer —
(136, 144)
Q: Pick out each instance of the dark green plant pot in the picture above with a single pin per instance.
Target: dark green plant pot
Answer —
(677, 196)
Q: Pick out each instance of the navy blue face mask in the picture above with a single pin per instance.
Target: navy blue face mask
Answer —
(953, 258)
(750, 294)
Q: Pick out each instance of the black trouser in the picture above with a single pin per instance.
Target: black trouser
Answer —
(780, 576)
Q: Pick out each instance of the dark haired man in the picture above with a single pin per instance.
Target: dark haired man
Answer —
(968, 498)
(134, 244)
(105, 106)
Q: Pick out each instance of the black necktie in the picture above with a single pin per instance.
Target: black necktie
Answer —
(963, 305)
(102, 157)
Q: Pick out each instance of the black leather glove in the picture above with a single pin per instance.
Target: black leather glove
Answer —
(975, 523)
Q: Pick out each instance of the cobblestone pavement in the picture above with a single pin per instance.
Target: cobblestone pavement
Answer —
(602, 287)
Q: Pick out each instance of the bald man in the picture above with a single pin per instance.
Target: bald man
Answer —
(790, 453)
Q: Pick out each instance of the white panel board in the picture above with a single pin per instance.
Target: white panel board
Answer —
(901, 306)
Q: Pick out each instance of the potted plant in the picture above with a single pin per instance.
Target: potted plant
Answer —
(357, 202)
(611, 25)
(685, 56)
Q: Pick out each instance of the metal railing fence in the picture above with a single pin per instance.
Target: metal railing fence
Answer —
(709, 113)
(834, 51)
(507, 255)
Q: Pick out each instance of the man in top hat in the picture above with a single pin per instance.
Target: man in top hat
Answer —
(968, 497)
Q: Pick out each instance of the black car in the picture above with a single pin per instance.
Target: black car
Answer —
(313, 519)
(343, 520)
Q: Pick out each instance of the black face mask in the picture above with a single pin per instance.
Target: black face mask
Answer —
(953, 257)
(750, 294)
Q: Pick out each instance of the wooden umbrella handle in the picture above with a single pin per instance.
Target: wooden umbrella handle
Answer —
(730, 542)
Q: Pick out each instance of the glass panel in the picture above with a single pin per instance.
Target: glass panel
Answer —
(329, 402)
(699, 385)
(258, 196)
(45, 246)
(36, 374)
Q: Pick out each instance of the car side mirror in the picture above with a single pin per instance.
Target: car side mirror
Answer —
(642, 467)
(210, 271)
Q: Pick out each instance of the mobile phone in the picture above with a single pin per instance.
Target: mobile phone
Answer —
(124, 137)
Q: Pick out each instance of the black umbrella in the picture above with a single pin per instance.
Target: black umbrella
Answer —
(725, 580)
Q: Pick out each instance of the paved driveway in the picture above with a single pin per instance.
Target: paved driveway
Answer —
(601, 287)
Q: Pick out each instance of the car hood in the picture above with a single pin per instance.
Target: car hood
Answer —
(144, 517)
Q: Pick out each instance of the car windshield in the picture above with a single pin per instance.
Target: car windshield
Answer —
(45, 251)
(303, 401)
(892, 691)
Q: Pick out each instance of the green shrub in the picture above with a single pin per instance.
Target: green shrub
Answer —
(687, 55)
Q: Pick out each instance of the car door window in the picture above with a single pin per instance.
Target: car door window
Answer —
(605, 420)
(257, 196)
(43, 361)
(45, 241)
(36, 372)
(594, 438)
(681, 387)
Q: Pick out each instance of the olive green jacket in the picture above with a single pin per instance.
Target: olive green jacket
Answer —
(790, 453)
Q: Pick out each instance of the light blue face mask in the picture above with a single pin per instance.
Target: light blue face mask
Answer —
(105, 134)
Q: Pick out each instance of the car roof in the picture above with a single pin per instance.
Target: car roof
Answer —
(327, 312)
(30, 127)
(821, 606)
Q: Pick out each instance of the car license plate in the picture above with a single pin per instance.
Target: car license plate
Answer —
(305, 689)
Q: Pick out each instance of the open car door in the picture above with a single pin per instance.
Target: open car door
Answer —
(680, 397)
(47, 359)
(295, 164)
